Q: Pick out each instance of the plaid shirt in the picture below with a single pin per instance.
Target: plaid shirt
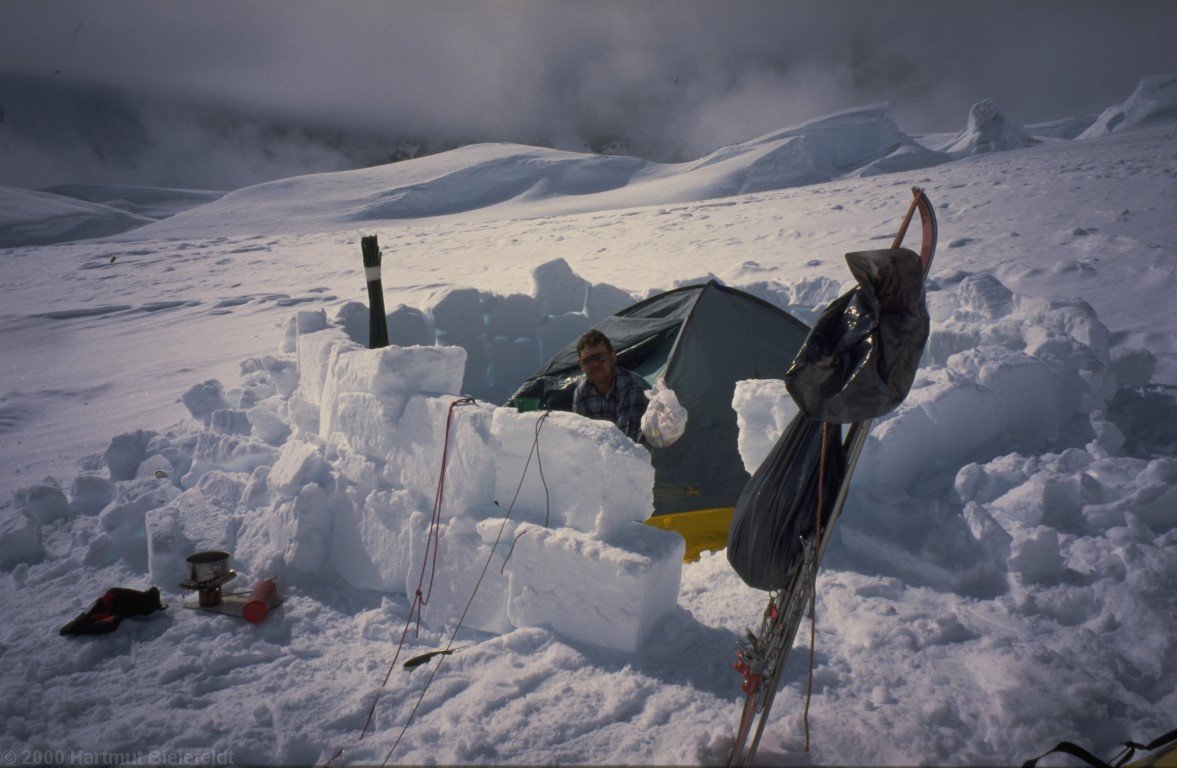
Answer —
(624, 405)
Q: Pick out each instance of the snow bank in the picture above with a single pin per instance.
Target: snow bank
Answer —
(1001, 372)
(1154, 97)
(857, 142)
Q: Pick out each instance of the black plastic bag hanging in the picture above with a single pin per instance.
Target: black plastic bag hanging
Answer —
(779, 505)
(861, 357)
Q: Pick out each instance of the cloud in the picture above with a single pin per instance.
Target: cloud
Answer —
(675, 79)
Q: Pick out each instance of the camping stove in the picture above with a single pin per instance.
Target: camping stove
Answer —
(207, 572)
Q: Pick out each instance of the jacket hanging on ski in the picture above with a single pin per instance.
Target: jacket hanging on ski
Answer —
(858, 363)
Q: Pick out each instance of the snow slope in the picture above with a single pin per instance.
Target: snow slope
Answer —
(1003, 576)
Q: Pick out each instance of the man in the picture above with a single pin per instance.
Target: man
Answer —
(608, 391)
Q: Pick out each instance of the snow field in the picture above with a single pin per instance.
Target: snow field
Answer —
(1010, 585)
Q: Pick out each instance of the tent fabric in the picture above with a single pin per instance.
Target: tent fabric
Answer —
(702, 339)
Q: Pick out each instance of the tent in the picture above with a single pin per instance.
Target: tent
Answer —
(702, 339)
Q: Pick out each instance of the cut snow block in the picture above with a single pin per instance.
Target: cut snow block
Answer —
(298, 464)
(355, 470)
(414, 462)
(591, 591)
(125, 452)
(512, 361)
(126, 514)
(410, 327)
(560, 330)
(230, 421)
(558, 288)
(763, 409)
(462, 556)
(306, 321)
(604, 300)
(367, 423)
(225, 489)
(90, 492)
(20, 537)
(190, 523)
(1035, 555)
(594, 479)
(43, 501)
(460, 312)
(204, 398)
(370, 540)
(230, 453)
(317, 353)
(390, 374)
(267, 425)
(291, 536)
(514, 316)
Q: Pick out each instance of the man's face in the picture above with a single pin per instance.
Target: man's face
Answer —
(598, 364)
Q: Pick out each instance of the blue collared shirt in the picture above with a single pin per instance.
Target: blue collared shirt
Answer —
(623, 405)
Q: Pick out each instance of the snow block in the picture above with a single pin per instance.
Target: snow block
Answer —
(230, 453)
(307, 321)
(223, 489)
(370, 540)
(230, 421)
(605, 299)
(298, 464)
(190, 523)
(1035, 555)
(125, 516)
(410, 327)
(986, 296)
(355, 470)
(44, 501)
(986, 394)
(514, 316)
(591, 591)
(390, 375)
(414, 462)
(317, 353)
(560, 330)
(204, 398)
(290, 537)
(763, 409)
(460, 312)
(462, 556)
(558, 289)
(267, 425)
(512, 361)
(90, 492)
(597, 479)
(367, 423)
(20, 537)
(125, 452)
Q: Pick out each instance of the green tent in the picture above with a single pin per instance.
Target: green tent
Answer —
(701, 339)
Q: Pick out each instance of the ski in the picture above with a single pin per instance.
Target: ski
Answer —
(761, 656)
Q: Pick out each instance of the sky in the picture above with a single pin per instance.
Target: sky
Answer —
(673, 80)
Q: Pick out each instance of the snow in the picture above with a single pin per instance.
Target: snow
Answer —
(988, 130)
(1003, 576)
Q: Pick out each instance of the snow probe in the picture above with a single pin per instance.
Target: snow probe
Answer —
(761, 656)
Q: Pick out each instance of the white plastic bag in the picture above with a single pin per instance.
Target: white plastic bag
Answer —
(665, 419)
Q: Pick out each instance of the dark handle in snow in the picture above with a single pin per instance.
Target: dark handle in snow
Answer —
(377, 325)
